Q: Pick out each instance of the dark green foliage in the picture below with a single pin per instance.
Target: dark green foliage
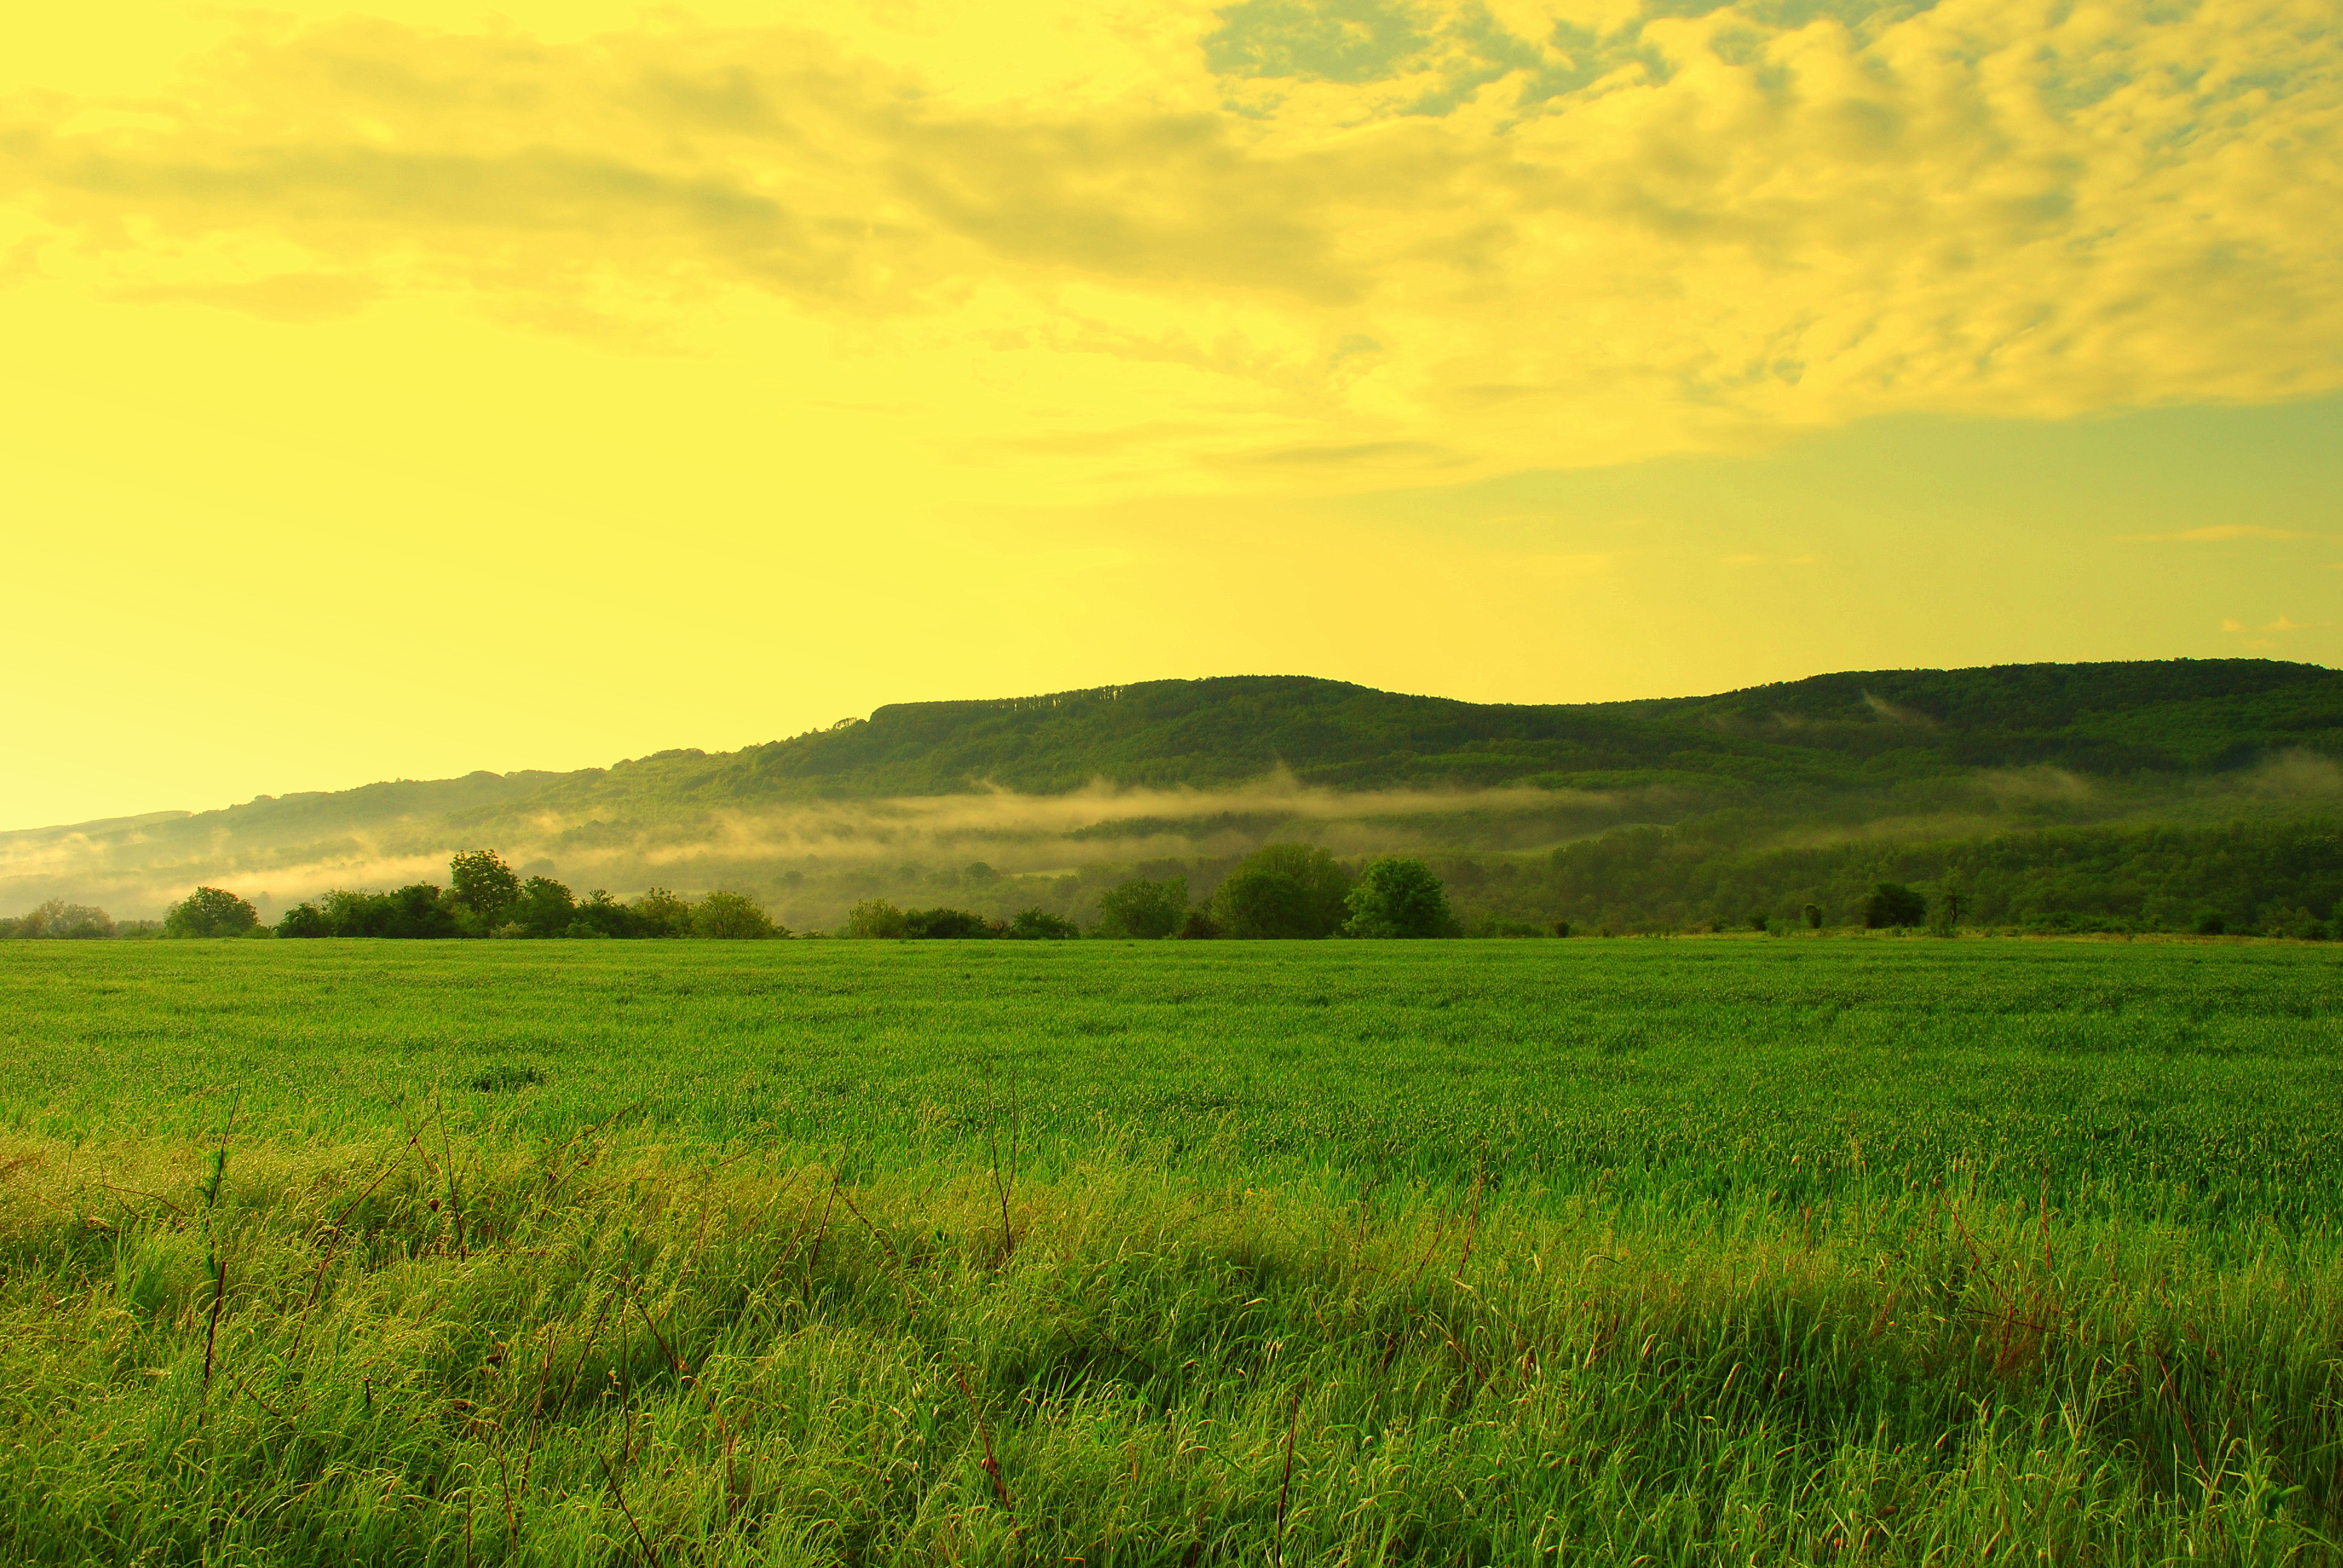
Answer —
(950, 925)
(543, 907)
(1039, 925)
(1285, 891)
(304, 921)
(210, 912)
(1812, 915)
(417, 910)
(1199, 926)
(1892, 904)
(2211, 924)
(600, 915)
(1142, 908)
(483, 886)
(1399, 898)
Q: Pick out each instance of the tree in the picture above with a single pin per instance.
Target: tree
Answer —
(1399, 898)
(600, 915)
(1199, 927)
(1894, 904)
(660, 913)
(1039, 925)
(210, 912)
(543, 908)
(58, 918)
(732, 917)
(1813, 914)
(1139, 907)
(304, 920)
(876, 920)
(480, 882)
(1283, 890)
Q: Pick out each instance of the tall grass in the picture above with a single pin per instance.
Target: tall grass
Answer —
(442, 1348)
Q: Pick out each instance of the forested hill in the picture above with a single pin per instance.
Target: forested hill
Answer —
(2178, 716)
(1871, 756)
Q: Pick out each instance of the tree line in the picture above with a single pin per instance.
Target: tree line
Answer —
(1284, 890)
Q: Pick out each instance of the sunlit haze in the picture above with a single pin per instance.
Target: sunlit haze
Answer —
(402, 391)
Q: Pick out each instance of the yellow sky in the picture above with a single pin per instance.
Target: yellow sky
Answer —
(406, 390)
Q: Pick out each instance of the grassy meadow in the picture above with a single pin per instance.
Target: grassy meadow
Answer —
(1732, 1249)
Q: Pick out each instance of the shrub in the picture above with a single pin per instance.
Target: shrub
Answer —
(1813, 916)
(660, 913)
(1399, 898)
(600, 915)
(2210, 924)
(210, 912)
(304, 920)
(543, 908)
(1283, 890)
(732, 917)
(1894, 904)
(1139, 907)
(1039, 925)
(876, 918)
(1199, 926)
(950, 925)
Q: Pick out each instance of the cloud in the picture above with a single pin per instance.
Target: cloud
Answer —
(1329, 236)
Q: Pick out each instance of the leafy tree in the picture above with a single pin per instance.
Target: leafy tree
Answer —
(2210, 924)
(1894, 904)
(660, 913)
(1039, 925)
(876, 918)
(58, 918)
(1813, 916)
(1399, 898)
(210, 912)
(1141, 909)
(600, 915)
(1283, 890)
(543, 908)
(1562, 928)
(732, 917)
(417, 910)
(304, 920)
(1197, 926)
(481, 883)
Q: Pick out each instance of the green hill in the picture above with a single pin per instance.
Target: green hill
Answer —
(1083, 784)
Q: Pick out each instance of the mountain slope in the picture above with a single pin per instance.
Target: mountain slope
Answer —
(1206, 768)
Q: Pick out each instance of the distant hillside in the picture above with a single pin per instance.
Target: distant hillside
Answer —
(1201, 770)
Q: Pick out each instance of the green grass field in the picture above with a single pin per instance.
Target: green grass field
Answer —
(1676, 1251)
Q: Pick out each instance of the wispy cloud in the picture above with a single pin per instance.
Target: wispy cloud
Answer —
(1362, 236)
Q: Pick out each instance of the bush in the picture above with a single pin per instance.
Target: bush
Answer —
(1039, 925)
(732, 917)
(1399, 898)
(210, 912)
(1562, 928)
(1813, 916)
(58, 918)
(543, 908)
(2210, 924)
(876, 919)
(1292, 892)
(600, 915)
(1139, 907)
(304, 920)
(949, 925)
(1892, 904)
(416, 910)
(1199, 927)
(660, 913)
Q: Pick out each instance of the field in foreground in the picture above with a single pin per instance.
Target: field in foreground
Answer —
(1794, 1251)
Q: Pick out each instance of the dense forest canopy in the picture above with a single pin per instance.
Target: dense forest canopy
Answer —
(1647, 814)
